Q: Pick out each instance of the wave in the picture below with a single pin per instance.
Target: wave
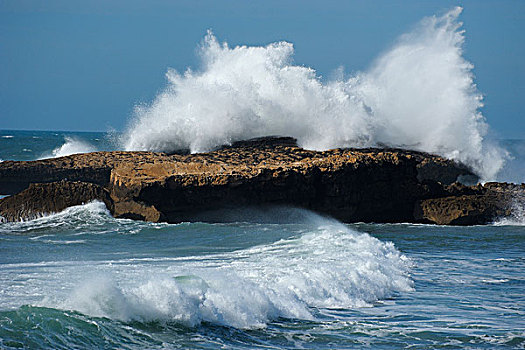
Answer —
(420, 94)
(71, 145)
(331, 266)
(30, 327)
(85, 216)
(302, 268)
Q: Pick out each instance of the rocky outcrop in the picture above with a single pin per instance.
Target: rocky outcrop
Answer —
(372, 185)
(40, 199)
(16, 176)
(475, 205)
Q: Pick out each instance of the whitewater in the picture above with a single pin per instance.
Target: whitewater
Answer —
(283, 278)
(328, 265)
(92, 281)
(420, 94)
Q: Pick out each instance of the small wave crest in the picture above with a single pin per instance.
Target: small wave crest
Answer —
(76, 217)
(71, 145)
(332, 266)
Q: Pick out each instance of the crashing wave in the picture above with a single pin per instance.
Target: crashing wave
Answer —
(330, 266)
(420, 95)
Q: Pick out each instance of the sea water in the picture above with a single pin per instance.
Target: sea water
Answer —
(82, 279)
(286, 278)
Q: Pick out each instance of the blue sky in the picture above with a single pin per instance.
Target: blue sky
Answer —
(84, 65)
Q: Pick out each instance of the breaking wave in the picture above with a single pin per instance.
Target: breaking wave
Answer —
(85, 216)
(327, 266)
(71, 145)
(420, 94)
(299, 271)
(250, 288)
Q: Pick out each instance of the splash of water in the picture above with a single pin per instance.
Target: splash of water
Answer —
(87, 215)
(419, 95)
(71, 145)
(517, 213)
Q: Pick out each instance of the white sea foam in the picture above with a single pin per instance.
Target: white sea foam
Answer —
(78, 241)
(332, 266)
(324, 265)
(85, 215)
(494, 281)
(420, 94)
(71, 145)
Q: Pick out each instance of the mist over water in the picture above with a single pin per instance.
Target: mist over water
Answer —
(420, 95)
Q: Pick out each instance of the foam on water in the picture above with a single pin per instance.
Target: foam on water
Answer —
(87, 215)
(71, 145)
(420, 94)
(468, 284)
(330, 266)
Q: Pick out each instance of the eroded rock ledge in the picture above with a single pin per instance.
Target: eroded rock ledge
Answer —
(371, 185)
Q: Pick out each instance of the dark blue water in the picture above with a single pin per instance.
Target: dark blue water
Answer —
(82, 279)
(31, 145)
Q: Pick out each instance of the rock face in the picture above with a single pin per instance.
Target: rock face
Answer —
(372, 185)
(39, 199)
(474, 205)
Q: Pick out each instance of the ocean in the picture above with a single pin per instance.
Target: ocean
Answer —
(282, 279)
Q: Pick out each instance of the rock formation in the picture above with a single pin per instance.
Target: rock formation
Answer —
(371, 185)
(44, 198)
(473, 205)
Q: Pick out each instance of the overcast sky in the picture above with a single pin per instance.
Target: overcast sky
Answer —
(83, 65)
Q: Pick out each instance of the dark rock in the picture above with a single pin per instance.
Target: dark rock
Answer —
(16, 176)
(474, 205)
(372, 185)
(40, 199)
(445, 171)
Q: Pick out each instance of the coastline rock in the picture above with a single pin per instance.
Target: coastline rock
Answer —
(16, 176)
(476, 205)
(41, 199)
(370, 185)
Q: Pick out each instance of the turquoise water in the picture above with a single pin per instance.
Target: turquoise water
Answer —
(82, 279)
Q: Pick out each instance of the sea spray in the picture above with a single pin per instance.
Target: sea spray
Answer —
(517, 212)
(71, 145)
(420, 94)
